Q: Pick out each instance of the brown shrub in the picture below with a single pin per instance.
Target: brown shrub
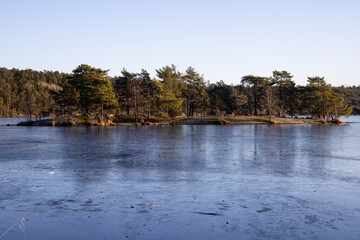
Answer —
(338, 121)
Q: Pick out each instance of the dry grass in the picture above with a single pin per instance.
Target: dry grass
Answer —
(235, 120)
(273, 122)
(63, 121)
(19, 223)
(338, 121)
(153, 205)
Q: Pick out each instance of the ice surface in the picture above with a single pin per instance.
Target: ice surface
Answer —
(181, 182)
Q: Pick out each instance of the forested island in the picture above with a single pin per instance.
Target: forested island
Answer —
(88, 92)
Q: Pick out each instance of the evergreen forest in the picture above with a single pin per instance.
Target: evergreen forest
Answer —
(90, 91)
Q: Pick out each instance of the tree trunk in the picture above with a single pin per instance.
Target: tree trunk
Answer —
(102, 113)
(270, 113)
(135, 103)
(255, 100)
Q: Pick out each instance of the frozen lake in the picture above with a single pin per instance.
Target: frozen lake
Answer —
(181, 182)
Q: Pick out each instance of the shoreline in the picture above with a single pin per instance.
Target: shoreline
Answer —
(229, 120)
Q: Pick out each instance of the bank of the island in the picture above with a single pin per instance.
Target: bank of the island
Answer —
(209, 120)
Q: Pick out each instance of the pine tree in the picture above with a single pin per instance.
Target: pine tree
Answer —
(256, 83)
(194, 91)
(94, 88)
(172, 100)
(67, 99)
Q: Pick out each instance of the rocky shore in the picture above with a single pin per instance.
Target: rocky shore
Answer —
(126, 120)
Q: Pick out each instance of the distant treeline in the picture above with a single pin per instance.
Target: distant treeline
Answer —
(89, 90)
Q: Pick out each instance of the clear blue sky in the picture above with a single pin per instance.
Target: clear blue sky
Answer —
(224, 40)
